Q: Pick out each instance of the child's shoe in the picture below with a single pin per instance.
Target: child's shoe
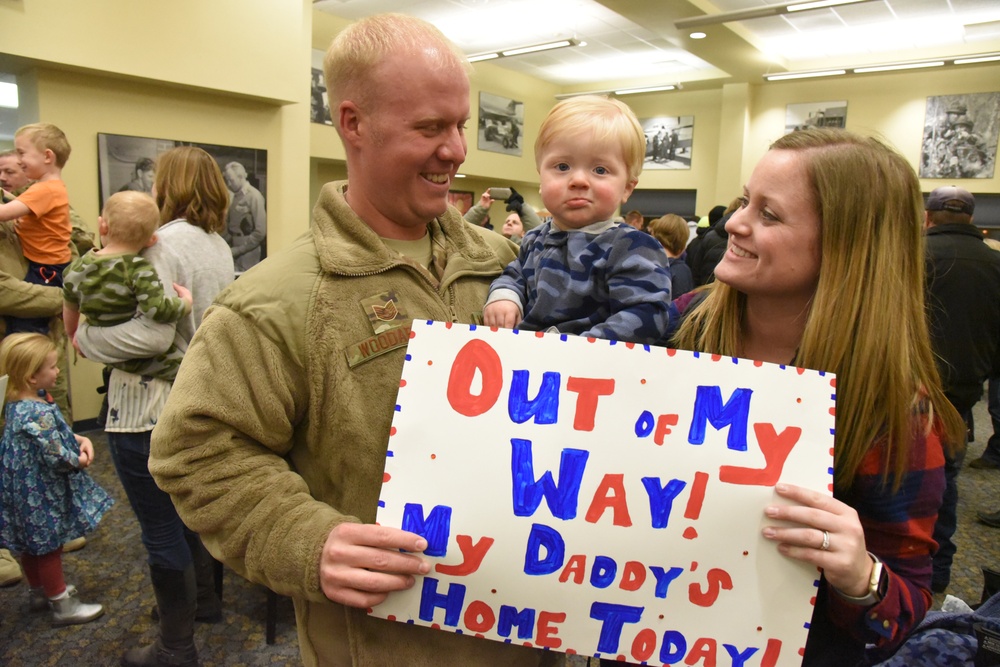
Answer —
(38, 601)
(68, 610)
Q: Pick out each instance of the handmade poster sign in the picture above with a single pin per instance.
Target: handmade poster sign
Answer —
(603, 498)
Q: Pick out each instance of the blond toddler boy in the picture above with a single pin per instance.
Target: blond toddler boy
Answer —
(583, 273)
(114, 284)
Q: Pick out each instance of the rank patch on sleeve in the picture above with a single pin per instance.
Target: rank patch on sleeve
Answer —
(385, 312)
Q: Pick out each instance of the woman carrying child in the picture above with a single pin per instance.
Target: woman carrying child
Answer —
(45, 496)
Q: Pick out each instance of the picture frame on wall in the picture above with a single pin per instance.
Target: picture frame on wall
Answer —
(129, 163)
(815, 114)
(319, 106)
(461, 199)
(960, 136)
(501, 124)
(669, 142)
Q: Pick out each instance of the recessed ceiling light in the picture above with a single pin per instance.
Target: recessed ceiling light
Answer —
(697, 35)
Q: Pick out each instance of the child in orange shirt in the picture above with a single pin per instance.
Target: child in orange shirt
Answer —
(44, 226)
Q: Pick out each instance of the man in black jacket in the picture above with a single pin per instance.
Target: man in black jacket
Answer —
(963, 298)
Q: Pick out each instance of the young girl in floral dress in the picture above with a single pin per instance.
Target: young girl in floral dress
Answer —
(45, 496)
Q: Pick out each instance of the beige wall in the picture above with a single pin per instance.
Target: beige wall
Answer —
(891, 105)
(108, 66)
(135, 74)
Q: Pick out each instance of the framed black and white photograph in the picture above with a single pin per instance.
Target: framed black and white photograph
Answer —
(129, 163)
(960, 136)
(501, 124)
(668, 141)
(815, 114)
(319, 106)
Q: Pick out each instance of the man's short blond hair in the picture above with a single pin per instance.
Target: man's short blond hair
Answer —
(359, 49)
(603, 120)
(46, 136)
(132, 218)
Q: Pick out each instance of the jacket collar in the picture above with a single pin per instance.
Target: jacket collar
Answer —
(347, 245)
(966, 229)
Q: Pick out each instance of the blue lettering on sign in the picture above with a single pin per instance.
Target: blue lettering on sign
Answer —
(435, 529)
(510, 617)
(735, 414)
(562, 498)
(674, 647)
(451, 601)
(663, 578)
(613, 617)
(738, 657)
(661, 499)
(555, 550)
(603, 573)
(544, 408)
(644, 424)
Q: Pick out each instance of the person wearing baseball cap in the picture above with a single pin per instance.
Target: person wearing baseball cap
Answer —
(954, 199)
(963, 299)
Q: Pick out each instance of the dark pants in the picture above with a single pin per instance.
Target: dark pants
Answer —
(50, 275)
(947, 520)
(992, 451)
(163, 532)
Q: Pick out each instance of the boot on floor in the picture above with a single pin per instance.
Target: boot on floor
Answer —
(38, 601)
(68, 610)
(209, 607)
(209, 603)
(176, 594)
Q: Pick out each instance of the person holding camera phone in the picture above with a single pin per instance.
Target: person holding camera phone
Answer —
(528, 219)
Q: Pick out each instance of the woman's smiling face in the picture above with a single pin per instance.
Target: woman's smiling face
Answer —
(774, 237)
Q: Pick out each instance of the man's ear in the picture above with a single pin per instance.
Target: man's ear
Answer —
(349, 120)
(927, 220)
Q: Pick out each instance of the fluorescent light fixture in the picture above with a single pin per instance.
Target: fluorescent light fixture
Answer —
(697, 35)
(819, 4)
(483, 56)
(804, 75)
(521, 50)
(623, 91)
(459, 175)
(647, 89)
(977, 59)
(759, 12)
(899, 66)
(562, 43)
(8, 95)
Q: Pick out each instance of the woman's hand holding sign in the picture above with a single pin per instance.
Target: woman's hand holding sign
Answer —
(361, 563)
(828, 535)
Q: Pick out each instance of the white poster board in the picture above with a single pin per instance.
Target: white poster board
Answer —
(603, 498)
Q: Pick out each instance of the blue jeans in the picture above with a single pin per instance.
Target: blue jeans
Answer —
(162, 530)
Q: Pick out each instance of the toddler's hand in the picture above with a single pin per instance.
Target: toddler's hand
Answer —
(184, 293)
(86, 451)
(504, 314)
